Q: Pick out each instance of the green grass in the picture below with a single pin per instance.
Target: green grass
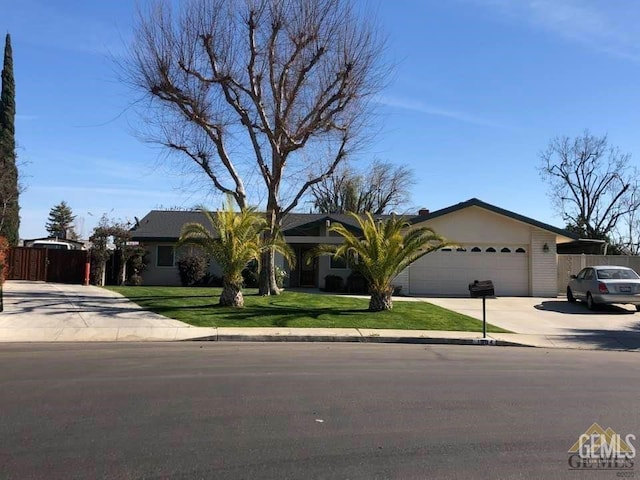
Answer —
(198, 307)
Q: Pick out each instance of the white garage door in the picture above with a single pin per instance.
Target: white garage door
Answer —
(449, 272)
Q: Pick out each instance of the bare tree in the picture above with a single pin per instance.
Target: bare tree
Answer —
(626, 236)
(383, 188)
(277, 86)
(591, 183)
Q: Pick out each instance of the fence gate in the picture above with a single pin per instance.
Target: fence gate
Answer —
(27, 264)
(66, 266)
(45, 265)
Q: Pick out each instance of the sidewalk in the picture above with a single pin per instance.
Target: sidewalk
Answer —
(46, 312)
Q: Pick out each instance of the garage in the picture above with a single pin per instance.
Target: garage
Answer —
(449, 271)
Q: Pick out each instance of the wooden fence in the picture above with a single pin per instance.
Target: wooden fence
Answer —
(45, 265)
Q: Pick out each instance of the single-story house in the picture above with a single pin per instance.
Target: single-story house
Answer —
(516, 252)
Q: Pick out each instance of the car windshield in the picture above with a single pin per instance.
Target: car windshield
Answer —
(616, 274)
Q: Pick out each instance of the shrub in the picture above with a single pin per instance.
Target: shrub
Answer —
(136, 263)
(250, 275)
(281, 275)
(333, 283)
(210, 280)
(192, 269)
(356, 283)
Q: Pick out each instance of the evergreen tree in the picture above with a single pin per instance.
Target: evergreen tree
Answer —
(9, 190)
(60, 222)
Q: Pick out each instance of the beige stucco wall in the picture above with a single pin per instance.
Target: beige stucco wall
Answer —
(402, 280)
(479, 226)
(543, 266)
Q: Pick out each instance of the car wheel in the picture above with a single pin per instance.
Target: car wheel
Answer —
(637, 308)
(570, 297)
(591, 305)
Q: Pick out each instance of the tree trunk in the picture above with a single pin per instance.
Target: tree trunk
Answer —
(231, 296)
(268, 284)
(380, 301)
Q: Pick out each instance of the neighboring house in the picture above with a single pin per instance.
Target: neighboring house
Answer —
(516, 252)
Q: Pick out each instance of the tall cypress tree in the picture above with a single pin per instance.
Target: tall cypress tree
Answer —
(9, 190)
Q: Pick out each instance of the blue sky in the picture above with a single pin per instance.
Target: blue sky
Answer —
(479, 88)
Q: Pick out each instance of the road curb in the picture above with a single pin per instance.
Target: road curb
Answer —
(355, 339)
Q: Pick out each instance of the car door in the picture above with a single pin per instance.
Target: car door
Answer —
(589, 282)
(579, 284)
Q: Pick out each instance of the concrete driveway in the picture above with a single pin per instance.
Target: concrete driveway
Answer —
(38, 311)
(555, 319)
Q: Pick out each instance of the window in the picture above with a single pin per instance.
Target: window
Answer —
(338, 262)
(461, 249)
(476, 249)
(164, 257)
(520, 250)
(589, 274)
(446, 249)
(490, 250)
(505, 250)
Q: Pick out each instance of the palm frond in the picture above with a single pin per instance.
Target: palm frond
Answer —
(233, 239)
(384, 248)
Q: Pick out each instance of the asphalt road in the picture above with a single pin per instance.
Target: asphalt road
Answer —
(306, 411)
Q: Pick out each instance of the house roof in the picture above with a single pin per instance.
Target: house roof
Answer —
(474, 202)
(166, 225)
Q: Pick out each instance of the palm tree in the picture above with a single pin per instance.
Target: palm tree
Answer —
(236, 242)
(382, 251)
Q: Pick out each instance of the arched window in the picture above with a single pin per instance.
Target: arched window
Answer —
(476, 249)
(520, 250)
(446, 249)
(461, 249)
(505, 250)
(490, 250)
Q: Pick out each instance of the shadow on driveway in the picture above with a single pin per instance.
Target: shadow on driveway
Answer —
(578, 308)
(58, 304)
(603, 339)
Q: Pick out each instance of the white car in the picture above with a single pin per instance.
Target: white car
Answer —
(605, 284)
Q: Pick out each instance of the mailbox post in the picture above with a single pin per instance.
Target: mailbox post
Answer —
(484, 289)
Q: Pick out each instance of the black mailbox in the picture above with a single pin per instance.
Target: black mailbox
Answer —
(482, 288)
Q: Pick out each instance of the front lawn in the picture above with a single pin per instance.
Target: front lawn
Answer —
(198, 307)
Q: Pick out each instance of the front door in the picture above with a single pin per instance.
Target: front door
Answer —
(308, 268)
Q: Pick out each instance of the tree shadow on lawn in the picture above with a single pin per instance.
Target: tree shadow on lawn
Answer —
(152, 298)
(279, 316)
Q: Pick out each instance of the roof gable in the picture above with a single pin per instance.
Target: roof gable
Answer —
(474, 202)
